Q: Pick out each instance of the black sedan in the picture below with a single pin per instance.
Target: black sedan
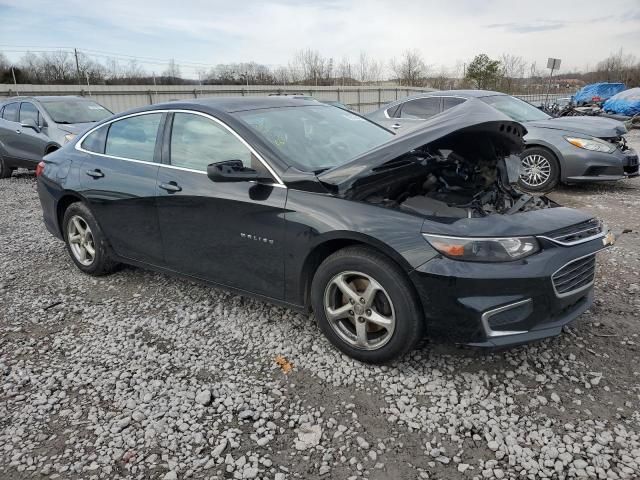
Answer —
(383, 237)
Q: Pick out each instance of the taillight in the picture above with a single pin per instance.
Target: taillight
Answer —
(39, 169)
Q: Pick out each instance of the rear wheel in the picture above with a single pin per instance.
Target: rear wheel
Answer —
(86, 243)
(5, 171)
(540, 170)
(366, 306)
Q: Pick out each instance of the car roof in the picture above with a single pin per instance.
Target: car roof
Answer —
(46, 98)
(238, 104)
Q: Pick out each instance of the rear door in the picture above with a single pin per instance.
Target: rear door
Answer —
(10, 132)
(228, 233)
(118, 177)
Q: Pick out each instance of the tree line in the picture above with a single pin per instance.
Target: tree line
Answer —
(510, 73)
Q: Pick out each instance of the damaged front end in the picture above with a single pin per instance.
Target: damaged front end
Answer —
(464, 166)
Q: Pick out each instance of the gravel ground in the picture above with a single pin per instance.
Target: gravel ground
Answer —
(139, 375)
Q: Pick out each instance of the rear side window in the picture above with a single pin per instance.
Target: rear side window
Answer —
(134, 137)
(11, 112)
(449, 102)
(421, 108)
(95, 140)
(28, 111)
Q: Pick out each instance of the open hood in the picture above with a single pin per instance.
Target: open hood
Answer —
(472, 116)
(592, 126)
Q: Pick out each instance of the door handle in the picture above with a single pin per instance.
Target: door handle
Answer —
(171, 187)
(18, 131)
(396, 125)
(95, 173)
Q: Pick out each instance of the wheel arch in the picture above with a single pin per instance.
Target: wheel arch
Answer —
(50, 148)
(330, 244)
(549, 148)
(67, 199)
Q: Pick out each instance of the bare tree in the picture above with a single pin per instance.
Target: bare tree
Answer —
(618, 67)
(410, 69)
(172, 72)
(345, 71)
(511, 69)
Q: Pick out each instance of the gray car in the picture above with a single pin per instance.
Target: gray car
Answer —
(564, 149)
(31, 127)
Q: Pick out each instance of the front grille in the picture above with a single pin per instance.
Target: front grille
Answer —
(575, 233)
(574, 276)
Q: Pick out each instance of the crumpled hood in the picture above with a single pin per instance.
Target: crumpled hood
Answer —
(472, 115)
(75, 128)
(593, 126)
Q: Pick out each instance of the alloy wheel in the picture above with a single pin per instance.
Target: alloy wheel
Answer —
(81, 240)
(359, 310)
(537, 170)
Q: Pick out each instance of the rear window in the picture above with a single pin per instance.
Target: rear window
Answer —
(11, 112)
(134, 137)
(95, 140)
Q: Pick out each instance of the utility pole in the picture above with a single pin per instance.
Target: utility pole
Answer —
(75, 51)
(13, 73)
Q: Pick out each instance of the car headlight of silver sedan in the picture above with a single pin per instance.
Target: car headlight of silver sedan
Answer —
(470, 249)
(592, 144)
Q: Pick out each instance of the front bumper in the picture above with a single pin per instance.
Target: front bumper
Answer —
(502, 304)
(584, 166)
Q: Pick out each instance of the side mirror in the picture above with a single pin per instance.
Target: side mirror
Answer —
(232, 171)
(30, 123)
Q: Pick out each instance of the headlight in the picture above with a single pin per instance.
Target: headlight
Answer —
(593, 144)
(68, 137)
(484, 249)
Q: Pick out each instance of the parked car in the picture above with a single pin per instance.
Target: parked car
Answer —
(566, 149)
(31, 127)
(383, 236)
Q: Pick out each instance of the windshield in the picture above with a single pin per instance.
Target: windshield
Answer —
(315, 138)
(75, 111)
(517, 109)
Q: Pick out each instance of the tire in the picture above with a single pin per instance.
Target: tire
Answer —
(77, 218)
(5, 171)
(395, 304)
(546, 164)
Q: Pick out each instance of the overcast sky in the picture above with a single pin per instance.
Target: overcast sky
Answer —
(266, 31)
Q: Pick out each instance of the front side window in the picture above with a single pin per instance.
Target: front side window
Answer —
(133, 137)
(11, 112)
(197, 141)
(315, 138)
(28, 111)
(69, 111)
(421, 108)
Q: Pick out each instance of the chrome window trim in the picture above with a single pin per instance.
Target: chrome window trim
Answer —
(584, 287)
(78, 145)
(426, 95)
(490, 313)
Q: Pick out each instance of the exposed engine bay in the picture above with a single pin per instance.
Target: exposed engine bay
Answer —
(464, 176)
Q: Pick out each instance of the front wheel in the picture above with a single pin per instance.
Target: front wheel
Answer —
(366, 306)
(540, 170)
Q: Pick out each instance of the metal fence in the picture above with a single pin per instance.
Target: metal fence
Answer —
(118, 98)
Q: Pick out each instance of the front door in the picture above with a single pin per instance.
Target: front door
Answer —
(228, 233)
(31, 143)
(118, 177)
